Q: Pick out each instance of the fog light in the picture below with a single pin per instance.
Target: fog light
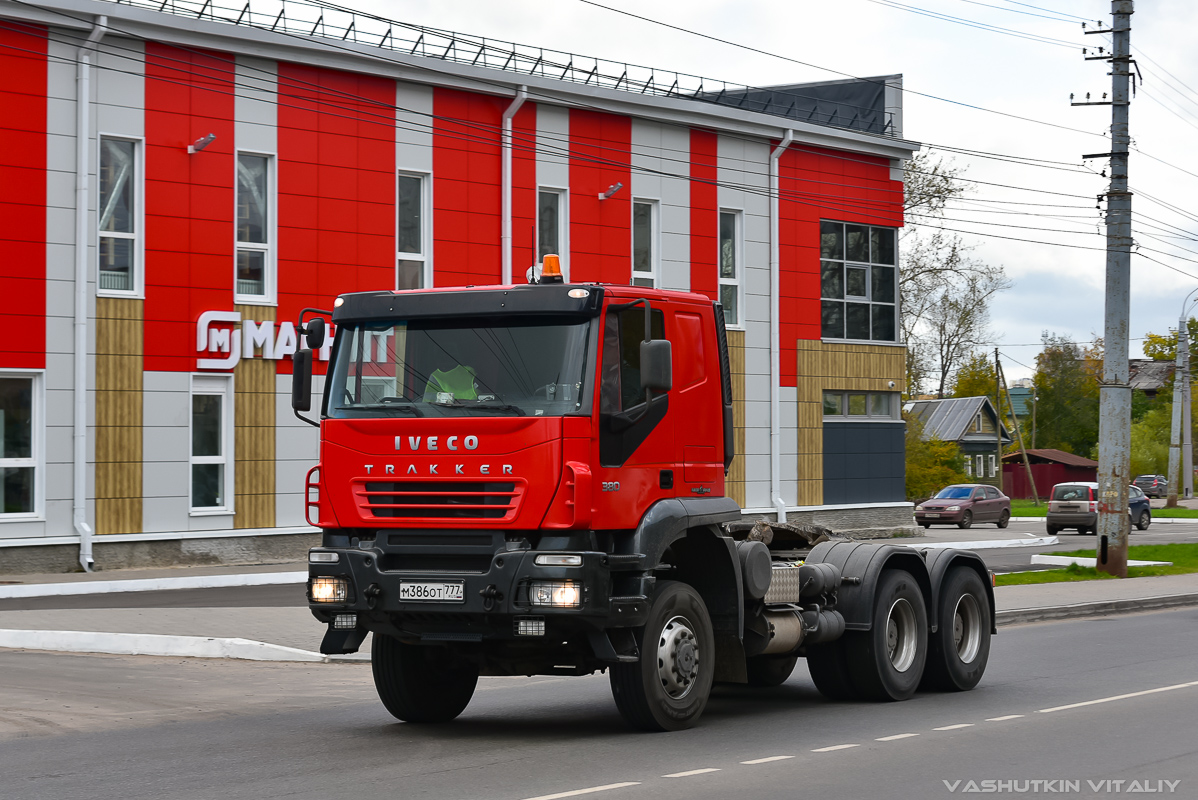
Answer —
(325, 589)
(530, 626)
(558, 560)
(345, 622)
(562, 594)
(323, 558)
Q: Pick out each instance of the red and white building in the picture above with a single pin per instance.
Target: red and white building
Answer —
(229, 167)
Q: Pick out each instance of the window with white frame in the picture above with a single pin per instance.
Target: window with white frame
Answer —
(858, 282)
(211, 444)
(644, 243)
(411, 232)
(993, 466)
(731, 268)
(20, 446)
(255, 209)
(981, 466)
(118, 216)
(551, 226)
(969, 466)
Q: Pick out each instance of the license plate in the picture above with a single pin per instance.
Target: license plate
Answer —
(432, 591)
(930, 514)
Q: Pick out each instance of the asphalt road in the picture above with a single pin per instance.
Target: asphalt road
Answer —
(74, 726)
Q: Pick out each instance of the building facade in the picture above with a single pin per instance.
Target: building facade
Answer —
(182, 180)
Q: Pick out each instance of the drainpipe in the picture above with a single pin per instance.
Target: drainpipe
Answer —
(506, 146)
(775, 341)
(82, 191)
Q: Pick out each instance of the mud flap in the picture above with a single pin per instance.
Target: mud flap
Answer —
(342, 642)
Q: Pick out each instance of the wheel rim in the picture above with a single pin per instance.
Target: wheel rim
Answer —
(967, 628)
(677, 658)
(901, 644)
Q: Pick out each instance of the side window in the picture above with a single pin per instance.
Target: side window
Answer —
(254, 272)
(644, 243)
(992, 493)
(623, 333)
(978, 494)
(412, 239)
(119, 218)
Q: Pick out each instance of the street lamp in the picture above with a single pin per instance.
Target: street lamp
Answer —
(1181, 456)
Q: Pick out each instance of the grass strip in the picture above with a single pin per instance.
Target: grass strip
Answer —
(1183, 556)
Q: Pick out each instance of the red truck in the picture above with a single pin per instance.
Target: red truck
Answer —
(530, 480)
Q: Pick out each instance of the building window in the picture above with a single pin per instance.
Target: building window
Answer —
(969, 466)
(551, 227)
(861, 406)
(20, 447)
(211, 445)
(981, 467)
(411, 232)
(255, 264)
(119, 217)
(858, 283)
(731, 268)
(993, 466)
(644, 243)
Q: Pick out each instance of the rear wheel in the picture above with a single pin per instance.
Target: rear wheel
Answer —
(1052, 530)
(668, 688)
(960, 648)
(421, 684)
(1004, 519)
(829, 667)
(926, 525)
(886, 662)
(1144, 521)
(966, 520)
(766, 671)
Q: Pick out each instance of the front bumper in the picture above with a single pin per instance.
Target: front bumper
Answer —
(939, 517)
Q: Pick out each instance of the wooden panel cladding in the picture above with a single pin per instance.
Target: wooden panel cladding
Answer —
(118, 431)
(734, 484)
(833, 366)
(254, 433)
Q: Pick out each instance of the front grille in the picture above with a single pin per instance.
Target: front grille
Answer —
(435, 562)
(447, 499)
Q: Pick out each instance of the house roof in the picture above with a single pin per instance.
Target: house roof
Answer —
(952, 419)
(1051, 456)
(1147, 375)
(1021, 400)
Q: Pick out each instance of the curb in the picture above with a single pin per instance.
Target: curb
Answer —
(986, 544)
(1102, 608)
(153, 644)
(152, 584)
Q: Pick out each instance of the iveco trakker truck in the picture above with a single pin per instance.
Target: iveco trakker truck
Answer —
(529, 480)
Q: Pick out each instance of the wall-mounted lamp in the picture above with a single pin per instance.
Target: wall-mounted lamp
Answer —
(615, 187)
(201, 143)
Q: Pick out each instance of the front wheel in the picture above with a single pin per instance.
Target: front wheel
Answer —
(960, 648)
(886, 662)
(1144, 521)
(1004, 519)
(829, 668)
(966, 520)
(668, 688)
(420, 683)
(926, 525)
(767, 671)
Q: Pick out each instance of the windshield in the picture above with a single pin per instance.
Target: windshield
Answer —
(954, 493)
(460, 368)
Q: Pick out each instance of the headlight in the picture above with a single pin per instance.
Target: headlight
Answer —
(325, 589)
(953, 508)
(562, 594)
(919, 508)
(558, 560)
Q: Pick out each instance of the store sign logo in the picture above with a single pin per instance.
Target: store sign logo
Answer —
(217, 335)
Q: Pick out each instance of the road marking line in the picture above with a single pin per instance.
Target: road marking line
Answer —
(767, 760)
(896, 737)
(834, 747)
(954, 727)
(592, 790)
(1117, 697)
(688, 773)
(1002, 719)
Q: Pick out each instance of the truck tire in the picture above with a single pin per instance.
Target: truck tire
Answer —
(886, 662)
(668, 688)
(421, 684)
(829, 668)
(960, 649)
(767, 671)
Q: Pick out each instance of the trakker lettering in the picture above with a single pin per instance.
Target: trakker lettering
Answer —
(412, 469)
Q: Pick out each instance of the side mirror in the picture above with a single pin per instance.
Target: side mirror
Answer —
(301, 378)
(657, 366)
(316, 332)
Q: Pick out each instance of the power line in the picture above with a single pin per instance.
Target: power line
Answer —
(980, 25)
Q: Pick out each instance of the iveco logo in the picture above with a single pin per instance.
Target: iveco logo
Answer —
(435, 443)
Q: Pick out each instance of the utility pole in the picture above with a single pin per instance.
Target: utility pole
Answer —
(1114, 423)
(998, 420)
(1187, 447)
(1031, 480)
(1179, 380)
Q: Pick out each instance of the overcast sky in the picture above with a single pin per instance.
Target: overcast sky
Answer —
(1056, 289)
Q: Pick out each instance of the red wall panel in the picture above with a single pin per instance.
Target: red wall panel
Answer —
(23, 211)
(815, 184)
(336, 179)
(524, 191)
(600, 230)
(705, 214)
(189, 199)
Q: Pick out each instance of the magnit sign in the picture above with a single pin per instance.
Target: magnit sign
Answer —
(225, 345)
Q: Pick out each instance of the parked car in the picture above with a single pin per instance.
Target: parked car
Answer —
(963, 504)
(1152, 485)
(1075, 505)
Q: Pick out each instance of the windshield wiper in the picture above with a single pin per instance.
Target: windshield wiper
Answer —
(392, 406)
(519, 412)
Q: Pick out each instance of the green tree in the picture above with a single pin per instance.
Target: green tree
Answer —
(976, 378)
(932, 463)
(1066, 383)
(1150, 441)
(1160, 347)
